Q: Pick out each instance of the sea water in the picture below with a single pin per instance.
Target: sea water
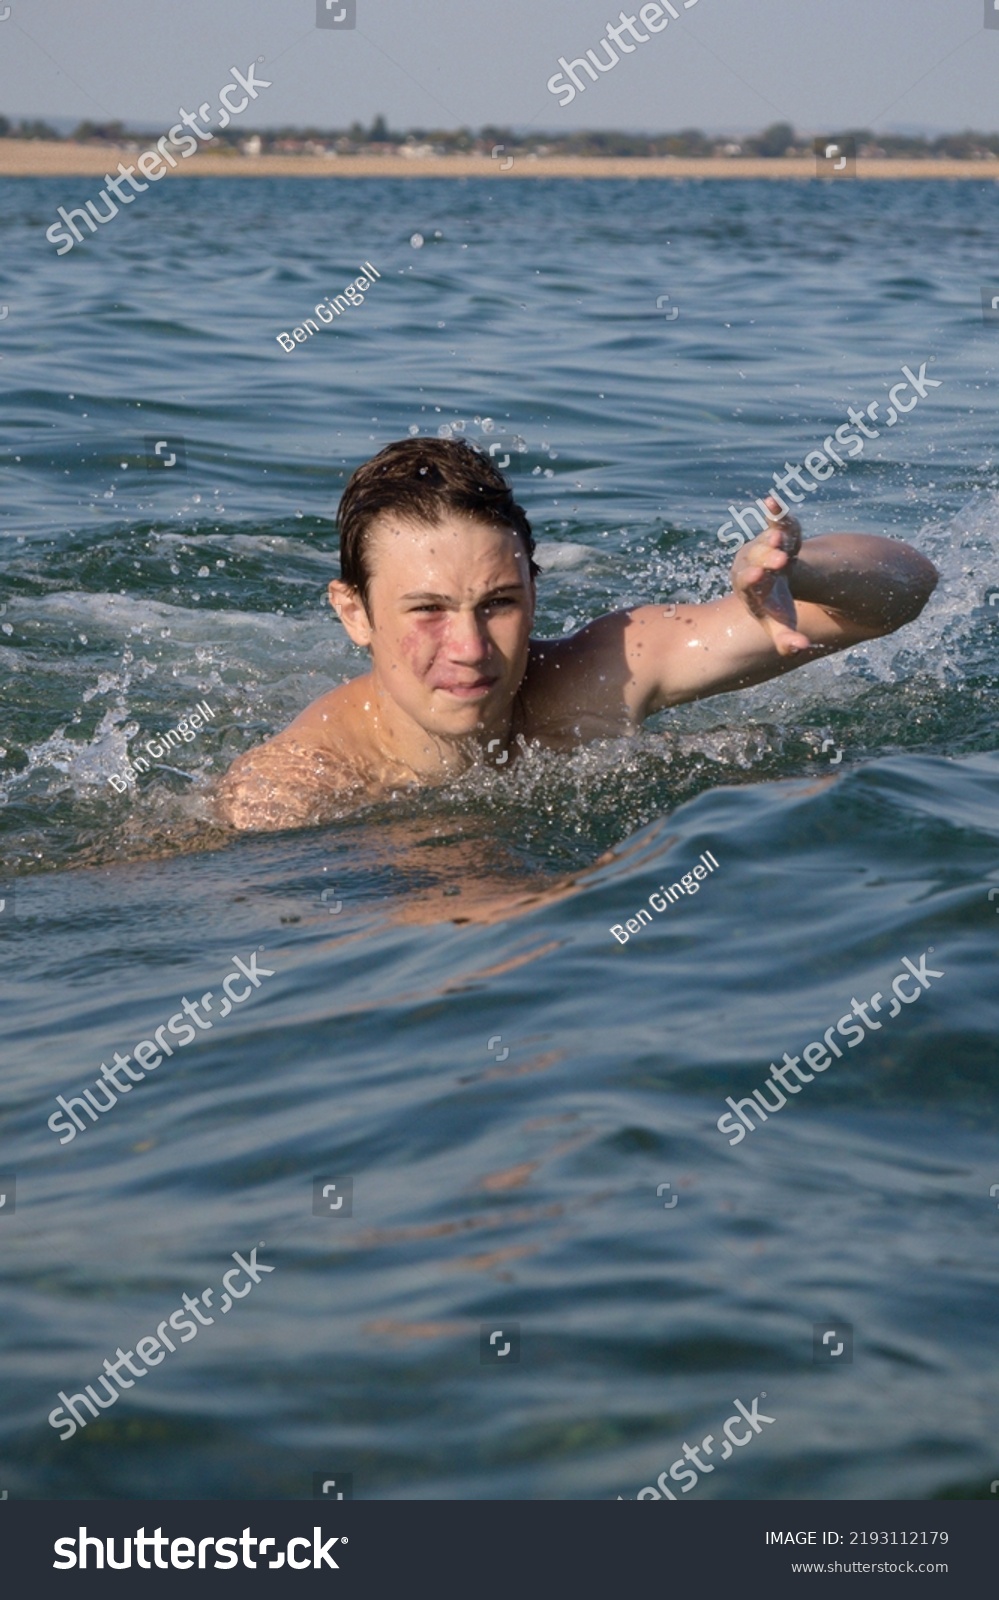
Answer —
(521, 1111)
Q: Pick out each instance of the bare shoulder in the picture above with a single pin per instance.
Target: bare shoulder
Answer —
(590, 685)
(329, 722)
(302, 775)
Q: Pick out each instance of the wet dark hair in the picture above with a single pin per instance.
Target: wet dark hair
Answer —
(425, 480)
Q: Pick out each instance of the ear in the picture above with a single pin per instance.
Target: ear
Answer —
(349, 607)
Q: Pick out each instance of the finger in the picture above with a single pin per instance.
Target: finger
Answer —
(774, 543)
(788, 641)
(776, 513)
(762, 573)
(784, 632)
(748, 577)
(786, 524)
(750, 554)
(773, 539)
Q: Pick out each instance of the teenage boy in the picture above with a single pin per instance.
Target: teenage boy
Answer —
(437, 584)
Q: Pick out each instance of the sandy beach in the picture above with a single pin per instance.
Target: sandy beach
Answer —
(39, 158)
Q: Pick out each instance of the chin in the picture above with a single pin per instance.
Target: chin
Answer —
(461, 723)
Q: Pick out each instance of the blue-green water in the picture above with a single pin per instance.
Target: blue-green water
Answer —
(508, 1094)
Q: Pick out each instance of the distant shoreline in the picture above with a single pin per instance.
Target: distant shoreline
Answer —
(40, 158)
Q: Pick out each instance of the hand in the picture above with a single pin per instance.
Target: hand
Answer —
(760, 574)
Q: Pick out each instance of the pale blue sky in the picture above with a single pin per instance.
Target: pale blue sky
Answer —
(726, 64)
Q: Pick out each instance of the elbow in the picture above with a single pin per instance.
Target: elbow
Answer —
(909, 591)
(921, 578)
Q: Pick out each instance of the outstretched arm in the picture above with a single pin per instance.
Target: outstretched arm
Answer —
(790, 603)
(866, 584)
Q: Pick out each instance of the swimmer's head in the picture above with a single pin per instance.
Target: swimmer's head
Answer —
(422, 480)
(438, 583)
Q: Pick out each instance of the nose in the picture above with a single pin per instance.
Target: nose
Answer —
(468, 637)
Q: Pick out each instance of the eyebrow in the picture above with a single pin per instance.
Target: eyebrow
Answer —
(447, 599)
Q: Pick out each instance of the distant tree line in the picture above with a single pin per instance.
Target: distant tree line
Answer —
(780, 139)
(26, 130)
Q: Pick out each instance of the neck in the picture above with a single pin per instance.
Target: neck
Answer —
(397, 740)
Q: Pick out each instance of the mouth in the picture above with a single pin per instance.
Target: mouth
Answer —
(476, 690)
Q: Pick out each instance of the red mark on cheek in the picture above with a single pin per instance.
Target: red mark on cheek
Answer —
(419, 647)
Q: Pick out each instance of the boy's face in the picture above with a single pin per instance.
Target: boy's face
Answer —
(451, 609)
